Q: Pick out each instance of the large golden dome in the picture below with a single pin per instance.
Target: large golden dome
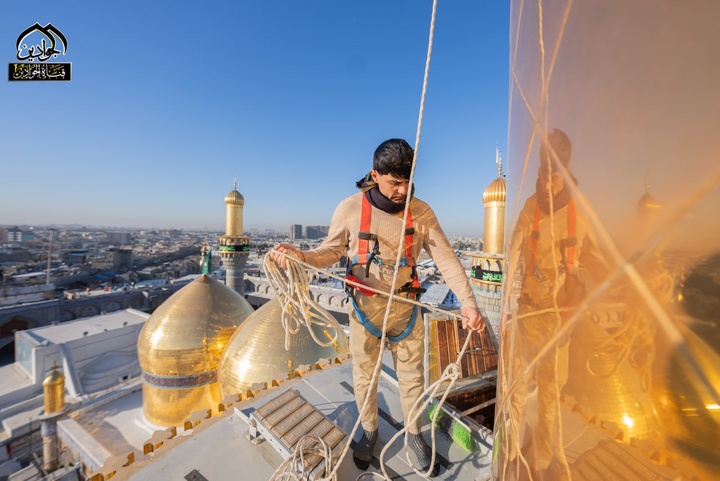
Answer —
(256, 353)
(496, 191)
(180, 346)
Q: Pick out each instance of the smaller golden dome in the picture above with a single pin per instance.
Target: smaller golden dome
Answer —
(648, 202)
(234, 197)
(54, 378)
(256, 352)
(54, 392)
(496, 191)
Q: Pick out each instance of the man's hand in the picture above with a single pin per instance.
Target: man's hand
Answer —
(472, 319)
(285, 249)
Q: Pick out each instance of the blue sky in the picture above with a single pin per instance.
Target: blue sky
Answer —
(170, 101)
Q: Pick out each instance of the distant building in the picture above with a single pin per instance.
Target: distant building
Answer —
(316, 231)
(13, 234)
(122, 258)
(77, 256)
(296, 232)
(172, 233)
(121, 238)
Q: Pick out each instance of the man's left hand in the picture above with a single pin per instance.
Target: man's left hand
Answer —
(472, 319)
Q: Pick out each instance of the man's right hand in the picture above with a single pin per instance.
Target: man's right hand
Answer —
(472, 319)
(281, 249)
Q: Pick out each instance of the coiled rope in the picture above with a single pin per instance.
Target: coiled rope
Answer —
(299, 309)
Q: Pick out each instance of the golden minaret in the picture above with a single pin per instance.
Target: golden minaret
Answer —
(486, 275)
(234, 246)
(494, 201)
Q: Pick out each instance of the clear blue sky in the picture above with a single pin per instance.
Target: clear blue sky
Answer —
(171, 100)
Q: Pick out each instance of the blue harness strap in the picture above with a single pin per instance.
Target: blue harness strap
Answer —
(377, 332)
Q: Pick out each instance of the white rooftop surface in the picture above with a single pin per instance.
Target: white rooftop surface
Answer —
(21, 393)
(68, 331)
(11, 379)
(119, 426)
(219, 449)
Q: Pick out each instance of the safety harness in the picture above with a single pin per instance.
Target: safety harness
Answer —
(366, 256)
(567, 245)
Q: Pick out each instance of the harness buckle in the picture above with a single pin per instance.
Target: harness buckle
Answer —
(375, 252)
(413, 288)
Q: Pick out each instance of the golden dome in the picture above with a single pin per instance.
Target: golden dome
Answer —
(647, 203)
(256, 353)
(496, 191)
(180, 346)
(54, 392)
(234, 197)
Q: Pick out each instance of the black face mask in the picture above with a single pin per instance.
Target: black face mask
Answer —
(383, 203)
(377, 199)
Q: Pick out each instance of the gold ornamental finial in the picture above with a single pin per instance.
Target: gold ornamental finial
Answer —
(234, 183)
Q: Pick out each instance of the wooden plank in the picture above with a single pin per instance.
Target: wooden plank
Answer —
(284, 411)
(293, 420)
(443, 348)
(272, 405)
(331, 439)
(293, 436)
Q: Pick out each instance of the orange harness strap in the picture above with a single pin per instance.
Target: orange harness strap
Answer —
(569, 244)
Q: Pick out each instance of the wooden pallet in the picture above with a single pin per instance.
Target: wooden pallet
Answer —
(285, 420)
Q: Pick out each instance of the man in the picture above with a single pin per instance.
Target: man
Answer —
(366, 227)
(554, 254)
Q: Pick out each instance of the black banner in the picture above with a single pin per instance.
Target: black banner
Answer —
(39, 72)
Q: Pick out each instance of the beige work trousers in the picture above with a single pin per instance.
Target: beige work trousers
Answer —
(407, 356)
(542, 442)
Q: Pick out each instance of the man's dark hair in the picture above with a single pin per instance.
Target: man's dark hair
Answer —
(394, 157)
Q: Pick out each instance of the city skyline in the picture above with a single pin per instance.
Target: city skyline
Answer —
(167, 107)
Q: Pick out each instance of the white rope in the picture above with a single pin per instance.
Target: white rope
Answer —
(293, 468)
(299, 309)
(451, 373)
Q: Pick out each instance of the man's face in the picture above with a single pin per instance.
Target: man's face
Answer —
(392, 187)
(549, 181)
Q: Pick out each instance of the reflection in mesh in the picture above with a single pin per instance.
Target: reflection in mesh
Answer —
(610, 343)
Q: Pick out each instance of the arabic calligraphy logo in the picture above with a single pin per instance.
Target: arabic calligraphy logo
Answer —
(44, 51)
(35, 46)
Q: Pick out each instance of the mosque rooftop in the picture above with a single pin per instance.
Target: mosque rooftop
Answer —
(88, 326)
(220, 444)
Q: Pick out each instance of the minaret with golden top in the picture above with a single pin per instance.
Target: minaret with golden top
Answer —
(486, 275)
(647, 210)
(234, 246)
(54, 403)
(494, 200)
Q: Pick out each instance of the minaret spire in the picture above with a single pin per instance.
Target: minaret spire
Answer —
(498, 160)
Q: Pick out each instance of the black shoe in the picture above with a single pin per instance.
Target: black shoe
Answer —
(363, 452)
(424, 454)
